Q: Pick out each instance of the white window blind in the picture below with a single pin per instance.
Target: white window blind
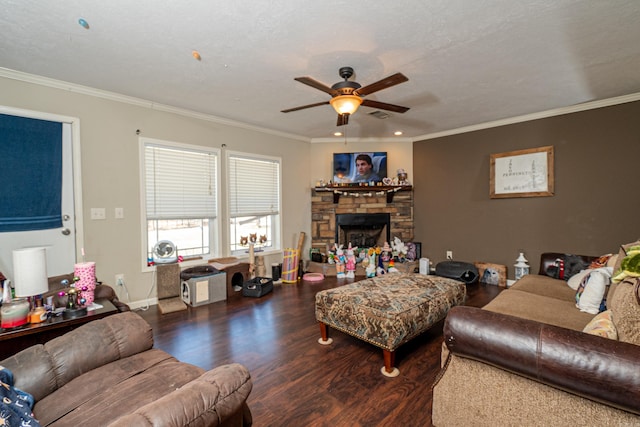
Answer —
(180, 183)
(254, 186)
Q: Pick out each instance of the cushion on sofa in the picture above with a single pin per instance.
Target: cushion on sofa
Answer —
(602, 325)
(545, 286)
(212, 397)
(626, 311)
(540, 308)
(125, 384)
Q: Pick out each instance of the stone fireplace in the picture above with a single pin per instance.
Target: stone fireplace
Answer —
(367, 209)
(363, 230)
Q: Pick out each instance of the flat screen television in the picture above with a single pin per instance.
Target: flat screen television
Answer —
(364, 166)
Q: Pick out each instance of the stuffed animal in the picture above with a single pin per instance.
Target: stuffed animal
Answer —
(351, 262)
(412, 251)
(380, 270)
(629, 266)
(399, 248)
(340, 261)
(371, 267)
(385, 254)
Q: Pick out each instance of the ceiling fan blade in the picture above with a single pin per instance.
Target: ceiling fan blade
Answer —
(317, 85)
(393, 80)
(302, 107)
(384, 106)
(343, 119)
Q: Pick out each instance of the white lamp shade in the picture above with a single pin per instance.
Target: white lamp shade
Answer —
(30, 271)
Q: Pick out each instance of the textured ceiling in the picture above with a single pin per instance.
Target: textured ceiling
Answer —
(468, 61)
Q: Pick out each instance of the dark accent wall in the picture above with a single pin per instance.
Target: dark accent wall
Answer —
(596, 206)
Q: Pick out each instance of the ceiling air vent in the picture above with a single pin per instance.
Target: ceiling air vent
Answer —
(380, 114)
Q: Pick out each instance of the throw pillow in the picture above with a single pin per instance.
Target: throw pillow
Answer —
(602, 326)
(574, 281)
(590, 296)
(626, 310)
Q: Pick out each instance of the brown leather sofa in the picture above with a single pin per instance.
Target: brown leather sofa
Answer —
(524, 359)
(106, 373)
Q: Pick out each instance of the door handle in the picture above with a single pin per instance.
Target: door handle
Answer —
(66, 231)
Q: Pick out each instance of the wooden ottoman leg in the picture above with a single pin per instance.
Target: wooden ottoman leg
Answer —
(324, 335)
(389, 359)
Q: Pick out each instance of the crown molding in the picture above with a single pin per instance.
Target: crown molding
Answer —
(592, 105)
(112, 96)
(357, 139)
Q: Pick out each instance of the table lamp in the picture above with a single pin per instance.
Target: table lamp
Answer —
(30, 278)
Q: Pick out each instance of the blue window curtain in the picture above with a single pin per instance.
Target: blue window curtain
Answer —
(30, 174)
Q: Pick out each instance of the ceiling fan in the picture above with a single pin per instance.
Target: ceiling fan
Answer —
(347, 96)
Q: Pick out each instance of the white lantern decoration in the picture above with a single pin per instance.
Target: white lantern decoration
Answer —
(522, 268)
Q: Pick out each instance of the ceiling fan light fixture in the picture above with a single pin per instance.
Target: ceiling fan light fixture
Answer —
(345, 104)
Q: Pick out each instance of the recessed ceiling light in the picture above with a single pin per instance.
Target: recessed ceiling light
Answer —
(398, 133)
(337, 134)
(84, 24)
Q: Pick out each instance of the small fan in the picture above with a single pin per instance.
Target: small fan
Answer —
(165, 252)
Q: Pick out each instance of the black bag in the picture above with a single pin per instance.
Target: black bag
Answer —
(257, 287)
(463, 271)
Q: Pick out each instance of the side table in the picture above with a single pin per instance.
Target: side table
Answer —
(14, 340)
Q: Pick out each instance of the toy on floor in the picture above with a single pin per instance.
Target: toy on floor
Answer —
(399, 249)
(340, 261)
(351, 262)
(392, 267)
(371, 267)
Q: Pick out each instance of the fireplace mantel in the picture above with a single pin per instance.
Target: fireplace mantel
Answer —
(364, 191)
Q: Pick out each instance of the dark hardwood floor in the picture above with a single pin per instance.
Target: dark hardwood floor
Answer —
(296, 381)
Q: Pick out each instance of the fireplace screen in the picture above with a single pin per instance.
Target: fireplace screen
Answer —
(363, 230)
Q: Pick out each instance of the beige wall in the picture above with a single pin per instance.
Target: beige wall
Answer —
(595, 207)
(110, 171)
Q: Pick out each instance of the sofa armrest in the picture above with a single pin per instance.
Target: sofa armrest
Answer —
(217, 398)
(593, 367)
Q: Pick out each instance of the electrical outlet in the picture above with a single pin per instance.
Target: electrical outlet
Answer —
(120, 279)
(98, 213)
(449, 254)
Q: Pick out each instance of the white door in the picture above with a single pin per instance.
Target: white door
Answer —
(60, 242)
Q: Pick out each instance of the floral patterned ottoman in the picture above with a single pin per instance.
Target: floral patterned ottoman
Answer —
(387, 311)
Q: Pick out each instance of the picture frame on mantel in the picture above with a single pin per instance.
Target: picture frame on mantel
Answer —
(522, 173)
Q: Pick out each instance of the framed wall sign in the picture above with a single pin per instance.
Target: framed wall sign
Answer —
(522, 173)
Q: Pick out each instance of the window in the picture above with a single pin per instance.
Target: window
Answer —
(254, 202)
(181, 196)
